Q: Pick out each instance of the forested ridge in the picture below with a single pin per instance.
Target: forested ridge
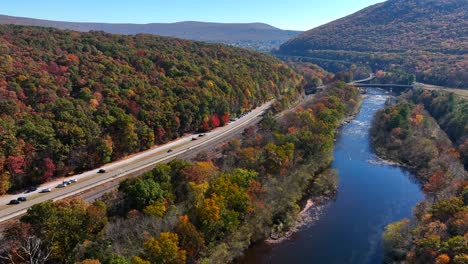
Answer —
(407, 133)
(70, 101)
(206, 211)
(257, 36)
(427, 38)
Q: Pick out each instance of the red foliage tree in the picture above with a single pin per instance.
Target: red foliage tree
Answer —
(134, 107)
(200, 172)
(435, 183)
(205, 126)
(53, 68)
(49, 169)
(255, 191)
(140, 53)
(225, 118)
(16, 164)
(160, 133)
(73, 58)
(214, 121)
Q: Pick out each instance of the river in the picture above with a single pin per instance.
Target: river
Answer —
(371, 194)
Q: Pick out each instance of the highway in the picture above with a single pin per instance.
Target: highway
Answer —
(130, 166)
(92, 185)
(462, 92)
(371, 77)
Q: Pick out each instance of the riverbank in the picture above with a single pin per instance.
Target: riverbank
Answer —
(321, 189)
(309, 214)
(407, 134)
(284, 192)
(370, 195)
(317, 195)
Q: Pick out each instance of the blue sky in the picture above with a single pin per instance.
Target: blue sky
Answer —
(285, 14)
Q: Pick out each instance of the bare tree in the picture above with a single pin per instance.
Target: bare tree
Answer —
(31, 250)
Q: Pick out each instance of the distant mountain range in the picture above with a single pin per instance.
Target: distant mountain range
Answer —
(257, 36)
(426, 37)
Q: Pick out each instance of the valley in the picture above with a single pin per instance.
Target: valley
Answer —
(135, 164)
(371, 194)
(152, 136)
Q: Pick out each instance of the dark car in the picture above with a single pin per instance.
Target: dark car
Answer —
(194, 138)
(14, 202)
(101, 171)
(201, 135)
(169, 151)
(31, 189)
(22, 199)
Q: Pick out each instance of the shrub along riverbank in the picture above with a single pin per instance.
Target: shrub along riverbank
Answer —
(406, 133)
(207, 211)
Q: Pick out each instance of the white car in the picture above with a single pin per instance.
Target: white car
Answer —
(45, 190)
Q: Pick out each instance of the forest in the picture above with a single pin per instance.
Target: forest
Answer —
(451, 113)
(208, 210)
(426, 38)
(408, 134)
(71, 101)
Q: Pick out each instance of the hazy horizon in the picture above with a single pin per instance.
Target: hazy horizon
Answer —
(290, 15)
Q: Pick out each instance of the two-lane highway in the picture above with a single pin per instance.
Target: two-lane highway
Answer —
(182, 147)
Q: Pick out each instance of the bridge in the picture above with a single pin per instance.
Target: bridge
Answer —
(377, 85)
(392, 88)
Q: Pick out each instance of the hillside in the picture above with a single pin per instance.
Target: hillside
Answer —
(257, 36)
(426, 37)
(70, 101)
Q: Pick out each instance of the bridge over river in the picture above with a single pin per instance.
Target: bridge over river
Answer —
(392, 88)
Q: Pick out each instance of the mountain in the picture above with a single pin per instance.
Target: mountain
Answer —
(257, 36)
(70, 101)
(426, 37)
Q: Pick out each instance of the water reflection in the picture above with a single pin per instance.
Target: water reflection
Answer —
(372, 193)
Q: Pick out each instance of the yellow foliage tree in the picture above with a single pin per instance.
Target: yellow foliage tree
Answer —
(248, 157)
(210, 84)
(210, 210)
(4, 182)
(90, 261)
(460, 259)
(417, 119)
(165, 249)
(198, 191)
(138, 260)
(157, 209)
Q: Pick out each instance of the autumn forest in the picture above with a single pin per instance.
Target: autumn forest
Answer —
(346, 144)
(72, 101)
